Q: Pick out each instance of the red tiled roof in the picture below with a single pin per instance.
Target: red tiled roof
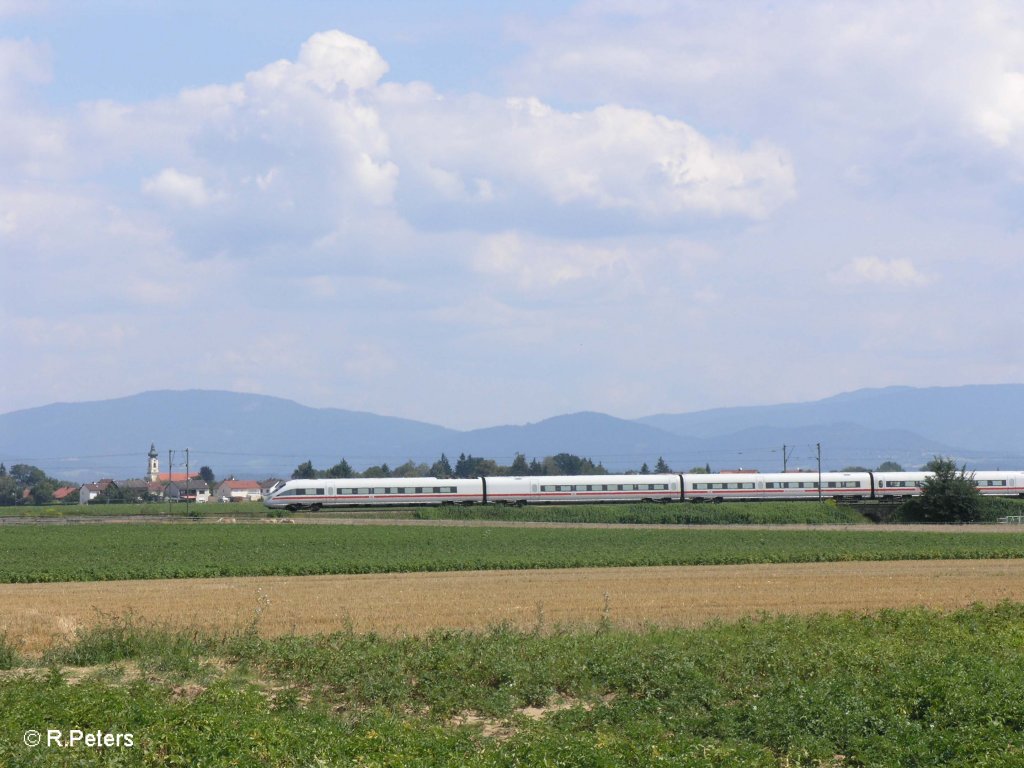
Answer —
(175, 477)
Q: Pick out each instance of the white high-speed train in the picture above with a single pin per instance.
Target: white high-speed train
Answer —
(313, 495)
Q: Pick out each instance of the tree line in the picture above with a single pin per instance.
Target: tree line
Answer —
(468, 466)
(25, 484)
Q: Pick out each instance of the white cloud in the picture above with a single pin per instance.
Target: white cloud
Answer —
(19, 7)
(608, 158)
(852, 75)
(171, 185)
(531, 264)
(23, 61)
(873, 270)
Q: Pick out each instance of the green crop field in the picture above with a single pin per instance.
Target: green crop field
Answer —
(777, 512)
(902, 688)
(130, 551)
(727, 513)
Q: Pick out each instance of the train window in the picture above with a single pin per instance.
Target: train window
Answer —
(830, 484)
(363, 491)
(565, 487)
(545, 488)
(419, 490)
(319, 491)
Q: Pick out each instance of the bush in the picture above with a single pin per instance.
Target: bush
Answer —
(949, 495)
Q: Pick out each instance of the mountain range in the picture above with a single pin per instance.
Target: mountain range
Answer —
(258, 436)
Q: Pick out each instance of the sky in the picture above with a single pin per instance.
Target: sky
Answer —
(475, 214)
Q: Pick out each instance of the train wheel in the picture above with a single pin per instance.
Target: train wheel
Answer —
(315, 507)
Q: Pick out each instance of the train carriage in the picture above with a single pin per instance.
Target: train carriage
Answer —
(343, 492)
(564, 489)
(755, 486)
(999, 483)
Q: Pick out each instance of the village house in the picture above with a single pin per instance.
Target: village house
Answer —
(194, 490)
(90, 491)
(238, 490)
(65, 493)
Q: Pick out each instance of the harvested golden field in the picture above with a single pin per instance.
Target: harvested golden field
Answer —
(35, 615)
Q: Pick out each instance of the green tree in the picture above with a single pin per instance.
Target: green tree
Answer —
(208, 477)
(565, 464)
(889, 466)
(519, 466)
(570, 464)
(42, 492)
(699, 470)
(469, 466)
(854, 469)
(109, 495)
(645, 470)
(441, 468)
(341, 469)
(304, 471)
(662, 468)
(948, 495)
(26, 475)
(410, 469)
(8, 491)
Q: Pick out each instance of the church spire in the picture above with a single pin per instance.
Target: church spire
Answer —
(154, 464)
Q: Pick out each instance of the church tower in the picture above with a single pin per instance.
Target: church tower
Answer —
(154, 464)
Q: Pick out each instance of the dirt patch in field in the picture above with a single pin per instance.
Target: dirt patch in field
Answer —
(36, 615)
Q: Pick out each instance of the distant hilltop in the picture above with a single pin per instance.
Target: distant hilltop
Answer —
(256, 436)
